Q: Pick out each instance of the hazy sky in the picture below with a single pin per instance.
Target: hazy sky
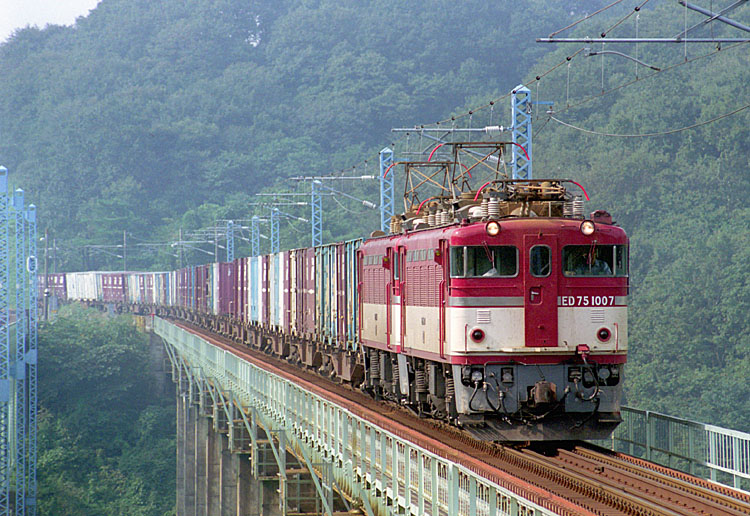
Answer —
(15, 14)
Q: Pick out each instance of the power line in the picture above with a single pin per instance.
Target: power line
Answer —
(663, 70)
(662, 133)
(585, 18)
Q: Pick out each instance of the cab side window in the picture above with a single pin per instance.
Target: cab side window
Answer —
(457, 262)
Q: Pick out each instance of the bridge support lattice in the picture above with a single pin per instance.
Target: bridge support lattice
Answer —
(318, 457)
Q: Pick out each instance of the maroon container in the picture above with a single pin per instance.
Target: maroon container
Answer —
(236, 309)
(113, 287)
(227, 287)
(203, 284)
(56, 284)
(309, 291)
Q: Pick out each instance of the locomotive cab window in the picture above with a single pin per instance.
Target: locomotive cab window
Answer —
(595, 260)
(484, 261)
(539, 261)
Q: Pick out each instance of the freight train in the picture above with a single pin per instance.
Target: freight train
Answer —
(503, 311)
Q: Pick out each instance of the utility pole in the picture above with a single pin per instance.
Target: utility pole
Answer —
(124, 251)
(182, 258)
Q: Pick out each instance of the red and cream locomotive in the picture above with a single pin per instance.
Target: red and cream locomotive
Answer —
(511, 322)
(502, 309)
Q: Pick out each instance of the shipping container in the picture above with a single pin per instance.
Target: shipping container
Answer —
(55, 283)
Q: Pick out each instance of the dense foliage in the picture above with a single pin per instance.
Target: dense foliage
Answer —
(106, 430)
(682, 198)
(154, 116)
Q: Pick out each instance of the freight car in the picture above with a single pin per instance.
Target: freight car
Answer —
(503, 311)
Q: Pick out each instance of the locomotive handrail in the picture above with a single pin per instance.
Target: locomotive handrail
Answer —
(441, 324)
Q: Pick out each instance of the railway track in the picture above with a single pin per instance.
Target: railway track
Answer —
(569, 479)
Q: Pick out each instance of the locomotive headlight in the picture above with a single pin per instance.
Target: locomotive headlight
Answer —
(477, 335)
(493, 228)
(587, 227)
(506, 375)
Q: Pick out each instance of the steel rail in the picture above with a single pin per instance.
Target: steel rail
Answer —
(717, 493)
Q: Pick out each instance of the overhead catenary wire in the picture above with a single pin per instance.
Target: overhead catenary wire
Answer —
(552, 69)
(636, 9)
(588, 16)
(646, 135)
(663, 70)
(342, 206)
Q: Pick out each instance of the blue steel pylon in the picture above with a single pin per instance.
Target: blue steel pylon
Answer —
(274, 230)
(4, 344)
(230, 241)
(521, 109)
(317, 216)
(386, 190)
(255, 235)
(31, 363)
(20, 369)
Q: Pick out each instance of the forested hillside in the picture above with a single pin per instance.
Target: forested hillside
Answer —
(148, 110)
(106, 426)
(155, 116)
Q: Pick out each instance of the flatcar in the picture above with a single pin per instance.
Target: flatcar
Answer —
(503, 311)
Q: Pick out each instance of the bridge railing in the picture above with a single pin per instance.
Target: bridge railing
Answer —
(709, 451)
(388, 474)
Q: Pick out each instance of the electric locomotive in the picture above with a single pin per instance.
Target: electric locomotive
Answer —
(511, 322)
(501, 309)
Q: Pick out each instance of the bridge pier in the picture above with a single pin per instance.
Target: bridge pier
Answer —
(180, 445)
(213, 473)
(228, 479)
(201, 466)
(215, 461)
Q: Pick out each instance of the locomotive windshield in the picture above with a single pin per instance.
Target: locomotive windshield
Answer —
(595, 260)
(484, 261)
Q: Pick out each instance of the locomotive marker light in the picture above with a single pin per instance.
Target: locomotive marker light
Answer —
(588, 227)
(493, 228)
(603, 334)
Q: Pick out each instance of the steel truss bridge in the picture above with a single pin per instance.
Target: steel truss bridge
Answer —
(253, 442)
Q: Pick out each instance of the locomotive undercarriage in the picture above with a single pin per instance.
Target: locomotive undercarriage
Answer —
(561, 402)
(503, 402)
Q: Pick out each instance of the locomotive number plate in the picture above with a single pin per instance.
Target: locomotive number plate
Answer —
(587, 300)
